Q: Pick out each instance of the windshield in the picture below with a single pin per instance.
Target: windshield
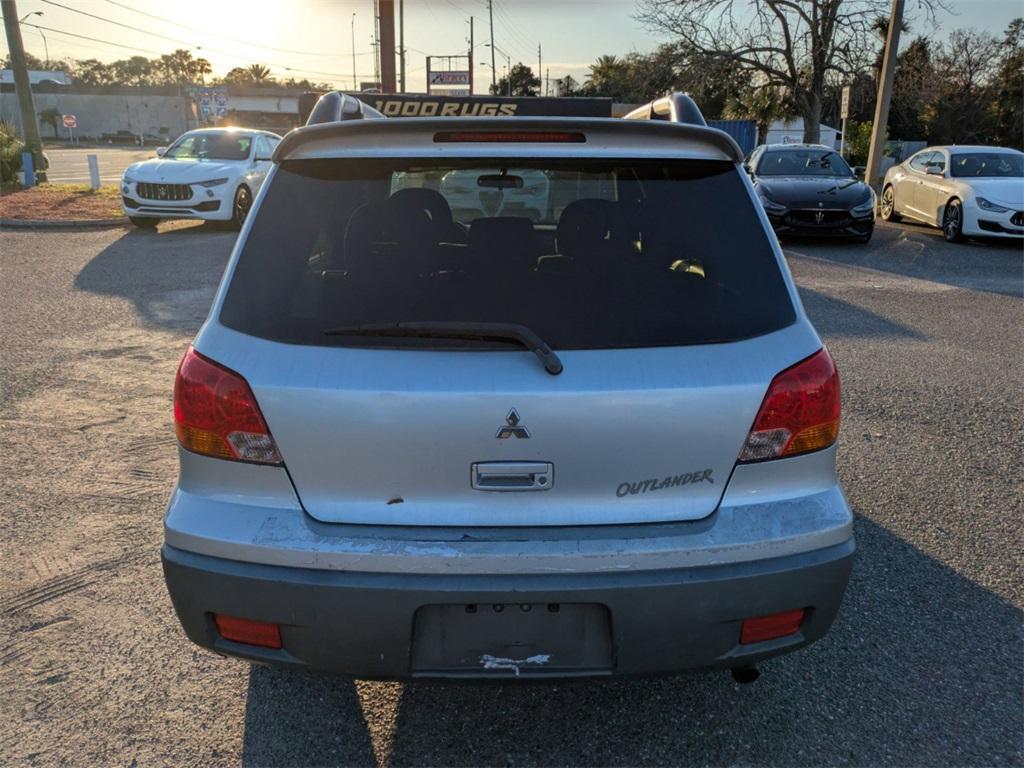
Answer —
(802, 162)
(987, 164)
(225, 145)
(585, 253)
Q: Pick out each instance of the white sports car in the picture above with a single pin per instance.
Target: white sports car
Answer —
(966, 191)
(211, 173)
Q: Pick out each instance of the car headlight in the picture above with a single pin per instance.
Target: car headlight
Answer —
(212, 183)
(770, 205)
(862, 209)
(126, 179)
(988, 205)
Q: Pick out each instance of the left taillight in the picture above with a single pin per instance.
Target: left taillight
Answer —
(800, 412)
(215, 413)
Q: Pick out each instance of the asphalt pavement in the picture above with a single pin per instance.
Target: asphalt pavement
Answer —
(71, 166)
(923, 666)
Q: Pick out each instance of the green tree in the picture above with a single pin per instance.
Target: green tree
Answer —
(51, 116)
(93, 72)
(958, 107)
(137, 70)
(1007, 108)
(180, 68)
(258, 73)
(799, 45)
(520, 81)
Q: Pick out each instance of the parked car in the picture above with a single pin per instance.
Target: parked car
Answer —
(967, 191)
(414, 445)
(807, 189)
(212, 174)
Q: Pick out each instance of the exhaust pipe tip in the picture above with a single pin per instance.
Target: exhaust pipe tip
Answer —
(745, 675)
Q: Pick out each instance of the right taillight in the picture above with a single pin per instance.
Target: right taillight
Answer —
(215, 413)
(800, 413)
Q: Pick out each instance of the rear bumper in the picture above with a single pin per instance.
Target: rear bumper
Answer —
(365, 624)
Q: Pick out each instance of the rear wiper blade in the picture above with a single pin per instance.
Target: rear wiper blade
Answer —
(513, 332)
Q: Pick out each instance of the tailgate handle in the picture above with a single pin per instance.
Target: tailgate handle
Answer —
(512, 475)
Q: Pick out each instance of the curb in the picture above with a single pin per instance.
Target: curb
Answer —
(62, 224)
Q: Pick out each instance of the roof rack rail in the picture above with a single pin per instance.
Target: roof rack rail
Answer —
(674, 108)
(335, 106)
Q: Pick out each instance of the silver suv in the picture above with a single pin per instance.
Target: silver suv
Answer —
(593, 439)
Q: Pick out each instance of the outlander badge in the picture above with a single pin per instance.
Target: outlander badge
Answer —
(512, 427)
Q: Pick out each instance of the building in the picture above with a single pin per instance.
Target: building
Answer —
(792, 132)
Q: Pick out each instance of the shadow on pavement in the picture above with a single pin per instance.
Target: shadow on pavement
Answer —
(834, 317)
(922, 668)
(170, 275)
(910, 250)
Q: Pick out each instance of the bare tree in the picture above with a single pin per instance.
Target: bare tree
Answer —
(798, 45)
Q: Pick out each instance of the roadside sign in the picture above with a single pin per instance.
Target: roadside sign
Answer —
(70, 121)
(844, 111)
(450, 77)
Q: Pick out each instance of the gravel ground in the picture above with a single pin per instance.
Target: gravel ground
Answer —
(924, 666)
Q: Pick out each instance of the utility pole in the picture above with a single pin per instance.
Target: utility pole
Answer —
(355, 81)
(387, 45)
(878, 128)
(376, 43)
(401, 44)
(471, 55)
(494, 68)
(539, 67)
(547, 83)
(22, 86)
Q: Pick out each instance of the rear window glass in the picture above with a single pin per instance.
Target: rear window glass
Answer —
(586, 253)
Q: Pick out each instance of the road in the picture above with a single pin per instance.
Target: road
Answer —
(71, 166)
(922, 668)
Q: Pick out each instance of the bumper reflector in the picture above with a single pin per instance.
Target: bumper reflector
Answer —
(248, 631)
(760, 628)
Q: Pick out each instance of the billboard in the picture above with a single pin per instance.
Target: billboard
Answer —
(451, 105)
(464, 105)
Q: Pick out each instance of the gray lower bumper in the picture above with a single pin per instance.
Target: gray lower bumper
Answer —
(368, 625)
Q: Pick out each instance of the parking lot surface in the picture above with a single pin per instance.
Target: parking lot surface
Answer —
(922, 668)
(71, 166)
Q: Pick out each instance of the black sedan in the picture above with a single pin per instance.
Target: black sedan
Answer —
(807, 189)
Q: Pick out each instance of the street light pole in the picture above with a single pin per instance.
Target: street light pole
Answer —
(46, 46)
(355, 83)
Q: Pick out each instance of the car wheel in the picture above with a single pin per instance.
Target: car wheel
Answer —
(144, 222)
(241, 206)
(889, 204)
(953, 222)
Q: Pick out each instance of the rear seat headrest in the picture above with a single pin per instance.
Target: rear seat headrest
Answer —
(587, 226)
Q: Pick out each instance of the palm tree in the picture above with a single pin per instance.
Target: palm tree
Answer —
(258, 73)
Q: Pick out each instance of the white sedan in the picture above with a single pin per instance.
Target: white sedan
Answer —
(211, 173)
(966, 191)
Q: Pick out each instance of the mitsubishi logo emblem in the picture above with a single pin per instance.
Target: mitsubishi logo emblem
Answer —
(512, 428)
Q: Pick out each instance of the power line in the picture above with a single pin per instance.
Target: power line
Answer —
(93, 39)
(519, 41)
(291, 70)
(187, 43)
(225, 37)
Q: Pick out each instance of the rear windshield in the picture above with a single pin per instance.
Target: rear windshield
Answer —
(586, 253)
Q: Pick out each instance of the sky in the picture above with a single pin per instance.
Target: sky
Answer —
(313, 38)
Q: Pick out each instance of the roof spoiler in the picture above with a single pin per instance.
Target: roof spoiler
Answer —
(674, 108)
(335, 107)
